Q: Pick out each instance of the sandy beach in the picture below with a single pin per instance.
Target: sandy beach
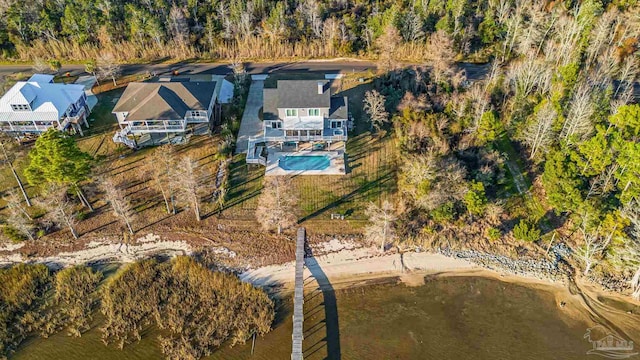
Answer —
(359, 264)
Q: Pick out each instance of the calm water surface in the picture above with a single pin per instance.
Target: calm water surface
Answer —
(448, 318)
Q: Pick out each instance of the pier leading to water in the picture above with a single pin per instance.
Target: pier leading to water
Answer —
(298, 298)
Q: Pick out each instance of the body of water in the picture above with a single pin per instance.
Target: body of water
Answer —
(447, 318)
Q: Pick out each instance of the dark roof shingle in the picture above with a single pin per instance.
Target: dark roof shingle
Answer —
(164, 100)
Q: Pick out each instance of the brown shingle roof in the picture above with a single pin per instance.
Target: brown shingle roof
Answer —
(164, 100)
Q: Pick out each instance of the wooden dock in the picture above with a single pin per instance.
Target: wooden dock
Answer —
(298, 298)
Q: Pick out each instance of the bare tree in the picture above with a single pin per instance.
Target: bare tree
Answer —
(374, 107)
(627, 256)
(188, 182)
(578, 122)
(161, 168)
(277, 204)
(412, 27)
(119, 202)
(441, 55)
(239, 72)
(107, 67)
(18, 217)
(9, 150)
(429, 181)
(381, 223)
(537, 135)
(387, 44)
(591, 247)
(528, 76)
(178, 26)
(60, 210)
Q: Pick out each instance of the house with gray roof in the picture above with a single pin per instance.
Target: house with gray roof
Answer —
(303, 111)
(300, 117)
(168, 106)
(35, 105)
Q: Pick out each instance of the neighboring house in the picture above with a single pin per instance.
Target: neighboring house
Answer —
(35, 105)
(304, 129)
(165, 107)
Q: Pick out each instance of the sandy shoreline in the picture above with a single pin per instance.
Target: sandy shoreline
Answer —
(357, 264)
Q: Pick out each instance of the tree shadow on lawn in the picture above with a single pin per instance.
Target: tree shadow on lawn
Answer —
(371, 188)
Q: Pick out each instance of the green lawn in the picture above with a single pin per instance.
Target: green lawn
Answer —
(371, 171)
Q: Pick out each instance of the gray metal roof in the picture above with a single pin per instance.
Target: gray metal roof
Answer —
(164, 100)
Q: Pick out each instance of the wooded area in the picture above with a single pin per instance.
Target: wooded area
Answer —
(259, 29)
(545, 150)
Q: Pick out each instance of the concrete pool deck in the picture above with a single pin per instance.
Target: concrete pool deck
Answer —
(336, 163)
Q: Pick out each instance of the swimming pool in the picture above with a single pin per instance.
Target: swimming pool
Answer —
(304, 162)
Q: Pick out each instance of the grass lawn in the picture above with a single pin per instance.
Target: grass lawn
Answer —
(371, 172)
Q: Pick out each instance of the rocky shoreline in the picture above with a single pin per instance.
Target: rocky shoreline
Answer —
(557, 270)
(538, 268)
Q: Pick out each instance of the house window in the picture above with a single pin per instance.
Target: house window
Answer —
(336, 124)
(20, 107)
(292, 112)
(314, 112)
(276, 125)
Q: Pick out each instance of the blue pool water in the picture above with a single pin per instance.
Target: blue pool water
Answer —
(304, 162)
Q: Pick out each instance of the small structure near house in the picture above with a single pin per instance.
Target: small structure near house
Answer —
(166, 107)
(304, 129)
(35, 105)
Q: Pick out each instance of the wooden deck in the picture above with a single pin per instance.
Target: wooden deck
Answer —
(298, 298)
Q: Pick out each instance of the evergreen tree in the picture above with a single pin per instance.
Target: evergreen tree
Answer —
(56, 158)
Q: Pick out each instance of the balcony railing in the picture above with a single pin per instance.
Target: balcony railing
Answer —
(197, 119)
(27, 128)
(270, 136)
(141, 129)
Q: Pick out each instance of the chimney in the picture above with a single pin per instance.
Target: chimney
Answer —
(320, 88)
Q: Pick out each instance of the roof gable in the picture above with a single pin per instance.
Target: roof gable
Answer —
(164, 100)
(303, 94)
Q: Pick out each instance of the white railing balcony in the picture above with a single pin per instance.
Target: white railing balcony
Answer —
(196, 119)
(160, 128)
(28, 128)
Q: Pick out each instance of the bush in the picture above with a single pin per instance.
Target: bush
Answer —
(494, 234)
(13, 234)
(444, 213)
(476, 199)
(525, 231)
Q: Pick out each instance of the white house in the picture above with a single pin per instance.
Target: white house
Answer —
(165, 107)
(303, 111)
(35, 105)
(301, 118)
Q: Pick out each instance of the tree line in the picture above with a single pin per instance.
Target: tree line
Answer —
(146, 29)
(197, 309)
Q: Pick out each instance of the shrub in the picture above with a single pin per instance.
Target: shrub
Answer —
(494, 234)
(489, 128)
(444, 213)
(475, 198)
(13, 234)
(525, 231)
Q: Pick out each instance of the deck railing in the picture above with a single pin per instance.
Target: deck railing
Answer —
(299, 138)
